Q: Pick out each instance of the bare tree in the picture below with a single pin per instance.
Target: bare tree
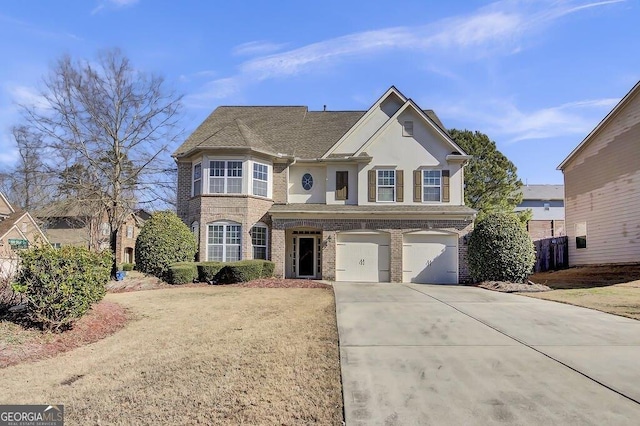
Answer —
(29, 183)
(114, 120)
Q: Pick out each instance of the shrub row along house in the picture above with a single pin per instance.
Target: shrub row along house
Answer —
(372, 195)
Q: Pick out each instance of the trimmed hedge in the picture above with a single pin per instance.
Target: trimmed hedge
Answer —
(61, 284)
(500, 249)
(182, 273)
(207, 271)
(244, 270)
(126, 267)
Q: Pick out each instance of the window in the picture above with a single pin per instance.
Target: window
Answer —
(195, 230)
(129, 231)
(225, 177)
(407, 128)
(581, 235)
(24, 226)
(260, 179)
(386, 185)
(56, 245)
(223, 243)
(431, 185)
(197, 179)
(104, 228)
(342, 185)
(259, 241)
(547, 206)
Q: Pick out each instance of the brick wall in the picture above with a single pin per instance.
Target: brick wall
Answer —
(280, 182)
(244, 209)
(396, 228)
(183, 192)
(540, 229)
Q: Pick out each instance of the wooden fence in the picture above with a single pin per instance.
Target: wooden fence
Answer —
(551, 254)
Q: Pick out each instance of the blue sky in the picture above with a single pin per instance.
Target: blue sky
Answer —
(536, 76)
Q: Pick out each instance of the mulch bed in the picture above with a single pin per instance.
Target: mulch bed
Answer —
(104, 319)
(507, 287)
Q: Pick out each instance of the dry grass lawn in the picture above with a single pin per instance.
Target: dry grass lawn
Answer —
(612, 289)
(205, 355)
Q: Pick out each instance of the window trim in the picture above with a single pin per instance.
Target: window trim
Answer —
(392, 186)
(424, 186)
(260, 225)
(194, 180)
(225, 224)
(254, 179)
(225, 176)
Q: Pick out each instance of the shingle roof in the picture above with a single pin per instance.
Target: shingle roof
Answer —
(289, 130)
(390, 209)
(543, 192)
(8, 223)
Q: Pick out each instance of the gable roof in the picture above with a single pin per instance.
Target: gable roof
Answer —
(5, 206)
(12, 221)
(410, 104)
(283, 130)
(542, 192)
(289, 130)
(620, 105)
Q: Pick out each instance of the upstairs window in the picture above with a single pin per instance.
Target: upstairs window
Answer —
(407, 128)
(386, 185)
(129, 231)
(431, 185)
(260, 179)
(225, 177)
(197, 179)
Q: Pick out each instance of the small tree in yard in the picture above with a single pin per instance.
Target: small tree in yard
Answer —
(60, 285)
(164, 239)
(500, 249)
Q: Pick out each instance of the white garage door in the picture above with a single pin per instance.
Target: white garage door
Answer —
(430, 258)
(362, 256)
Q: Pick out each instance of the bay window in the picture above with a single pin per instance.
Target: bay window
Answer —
(225, 177)
(260, 179)
(224, 242)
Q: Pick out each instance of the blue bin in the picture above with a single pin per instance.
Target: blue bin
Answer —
(120, 275)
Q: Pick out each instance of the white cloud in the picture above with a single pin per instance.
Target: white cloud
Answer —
(114, 3)
(497, 29)
(28, 96)
(504, 120)
(214, 90)
(258, 47)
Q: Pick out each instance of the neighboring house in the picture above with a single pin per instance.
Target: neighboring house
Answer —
(546, 203)
(18, 230)
(371, 195)
(68, 224)
(602, 189)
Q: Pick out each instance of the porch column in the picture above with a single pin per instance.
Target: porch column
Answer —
(278, 253)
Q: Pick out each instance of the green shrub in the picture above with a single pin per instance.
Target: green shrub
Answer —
(61, 284)
(182, 273)
(243, 271)
(268, 268)
(126, 267)
(164, 239)
(207, 271)
(500, 249)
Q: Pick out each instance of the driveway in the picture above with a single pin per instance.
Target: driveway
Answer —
(414, 354)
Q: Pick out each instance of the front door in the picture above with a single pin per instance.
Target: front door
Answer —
(307, 257)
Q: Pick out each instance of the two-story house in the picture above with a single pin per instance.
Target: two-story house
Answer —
(546, 203)
(372, 195)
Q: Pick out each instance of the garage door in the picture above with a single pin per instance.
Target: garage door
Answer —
(362, 256)
(430, 258)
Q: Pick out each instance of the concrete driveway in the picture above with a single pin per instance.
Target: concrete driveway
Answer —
(415, 354)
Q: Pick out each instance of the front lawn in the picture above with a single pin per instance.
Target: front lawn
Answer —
(612, 289)
(198, 355)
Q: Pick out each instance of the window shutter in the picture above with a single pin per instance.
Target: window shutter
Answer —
(445, 186)
(372, 186)
(417, 186)
(399, 186)
(342, 189)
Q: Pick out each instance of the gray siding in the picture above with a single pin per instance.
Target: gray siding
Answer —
(602, 188)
